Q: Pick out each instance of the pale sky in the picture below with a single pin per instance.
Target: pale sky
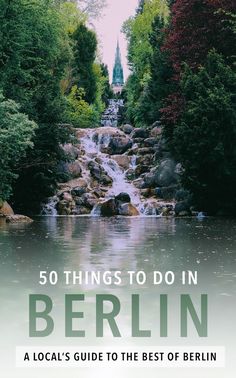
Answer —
(108, 28)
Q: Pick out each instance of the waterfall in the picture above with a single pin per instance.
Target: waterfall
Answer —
(103, 164)
(111, 167)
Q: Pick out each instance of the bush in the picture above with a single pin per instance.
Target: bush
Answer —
(16, 132)
(204, 138)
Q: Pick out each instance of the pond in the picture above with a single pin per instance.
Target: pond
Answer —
(92, 244)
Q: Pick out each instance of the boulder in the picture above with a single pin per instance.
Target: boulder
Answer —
(66, 196)
(63, 208)
(70, 185)
(68, 171)
(119, 145)
(127, 129)
(89, 201)
(156, 132)
(150, 142)
(166, 193)
(140, 169)
(123, 197)
(146, 151)
(145, 160)
(71, 151)
(74, 169)
(162, 176)
(109, 208)
(128, 210)
(147, 192)
(98, 173)
(80, 210)
(182, 208)
(140, 133)
(122, 160)
(78, 191)
(18, 219)
(5, 209)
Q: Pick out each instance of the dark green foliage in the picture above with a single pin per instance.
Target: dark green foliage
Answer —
(33, 55)
(107, 91)
(204, 138)
(84, 55)
(160, 85)
(16, 132)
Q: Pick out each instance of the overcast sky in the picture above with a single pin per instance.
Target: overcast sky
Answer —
(108, 28)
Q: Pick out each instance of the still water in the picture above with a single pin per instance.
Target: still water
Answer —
(119, 244)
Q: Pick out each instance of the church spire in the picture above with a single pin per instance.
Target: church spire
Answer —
(118, 74)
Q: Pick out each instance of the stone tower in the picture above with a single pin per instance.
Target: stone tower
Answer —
(118, 75)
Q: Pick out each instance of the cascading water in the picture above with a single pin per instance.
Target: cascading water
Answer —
(111, 167)
(100, 172)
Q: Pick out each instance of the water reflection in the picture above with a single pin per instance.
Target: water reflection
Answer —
(123, 244)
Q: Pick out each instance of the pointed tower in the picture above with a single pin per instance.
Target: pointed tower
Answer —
(118, 75)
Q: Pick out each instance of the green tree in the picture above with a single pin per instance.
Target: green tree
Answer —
(140, 51)
(34, 52)
(16, 132)
(159, 85)
(85, 47)
(204, 138)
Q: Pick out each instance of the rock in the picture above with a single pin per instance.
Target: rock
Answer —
(66, 204)
(145, 160)
(78, 191)
(147, 192)
(80, 210)
(74, 169)
(66, 197)
(182, 195)
(166, 193)
(149, 179)
(140, 169)
(99, 174)
(109, 208)
(89, 201)
(122, 160)
(140, 133)
(139, 183)
(18, 219)
(123, 197)
(156, 132)
(128, 210)
(5, 209)
(182, 208)
(138, 141)
(127, 129)
(68, 186)
(98, 193)
(119, 145)
(162, 176)
(71, 151)
(133, 151)
(68, 171)
(150, 142)
(145, 151)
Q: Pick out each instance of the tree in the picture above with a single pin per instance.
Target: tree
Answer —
(16, 132)
(85, 47)
(196, 27)
(140, 52)
(159, 85)
(107, 91)
(204, 138)
(33, 56)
